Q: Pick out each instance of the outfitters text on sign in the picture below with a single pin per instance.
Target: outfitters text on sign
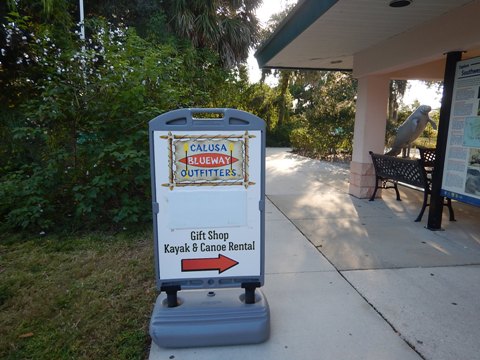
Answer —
(208, 160)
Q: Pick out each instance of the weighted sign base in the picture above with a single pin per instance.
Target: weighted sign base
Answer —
(210, 318)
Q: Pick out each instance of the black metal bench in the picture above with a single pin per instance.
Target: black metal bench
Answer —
(392, 170)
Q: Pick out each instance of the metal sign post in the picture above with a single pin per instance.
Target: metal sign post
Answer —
(208, 192)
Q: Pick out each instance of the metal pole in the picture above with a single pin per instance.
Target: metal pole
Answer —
(82, 24)
(436, 201)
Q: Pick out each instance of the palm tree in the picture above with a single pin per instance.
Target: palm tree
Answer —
(229, 27)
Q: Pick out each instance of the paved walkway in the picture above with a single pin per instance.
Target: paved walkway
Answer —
(351, 279)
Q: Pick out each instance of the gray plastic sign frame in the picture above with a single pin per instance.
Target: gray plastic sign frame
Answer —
(208, 198)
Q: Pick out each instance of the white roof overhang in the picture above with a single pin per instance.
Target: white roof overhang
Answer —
(370, 37)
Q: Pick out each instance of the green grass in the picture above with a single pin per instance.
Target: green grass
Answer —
(426, 142)
(84, 297)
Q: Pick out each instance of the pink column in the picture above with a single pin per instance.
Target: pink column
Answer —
(369, 133)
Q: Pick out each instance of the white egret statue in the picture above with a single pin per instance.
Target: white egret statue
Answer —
(411, 129)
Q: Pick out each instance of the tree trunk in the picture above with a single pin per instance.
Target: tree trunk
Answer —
(282, 104)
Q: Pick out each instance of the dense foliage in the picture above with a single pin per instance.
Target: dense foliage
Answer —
(326, 103)
(75, 118)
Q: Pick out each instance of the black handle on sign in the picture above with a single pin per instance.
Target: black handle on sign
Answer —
(172, 300)
(250, 291)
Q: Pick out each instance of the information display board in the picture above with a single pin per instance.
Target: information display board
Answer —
(461, 176)
(208, 192)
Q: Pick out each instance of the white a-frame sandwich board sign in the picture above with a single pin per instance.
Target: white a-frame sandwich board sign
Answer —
(208, 194)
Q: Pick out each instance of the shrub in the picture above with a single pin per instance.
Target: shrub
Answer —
(77, 155)
(303, 142)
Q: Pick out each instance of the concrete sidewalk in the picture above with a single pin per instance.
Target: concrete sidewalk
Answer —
(351, 279)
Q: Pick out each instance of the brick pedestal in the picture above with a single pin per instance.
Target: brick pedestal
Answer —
(362, 180)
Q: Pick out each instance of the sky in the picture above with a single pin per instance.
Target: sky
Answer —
(264, 12)
(415, 91)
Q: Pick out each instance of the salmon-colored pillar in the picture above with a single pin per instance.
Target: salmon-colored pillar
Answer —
(369, 133)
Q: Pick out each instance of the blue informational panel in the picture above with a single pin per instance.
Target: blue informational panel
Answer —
(208, 193)
(461, 176)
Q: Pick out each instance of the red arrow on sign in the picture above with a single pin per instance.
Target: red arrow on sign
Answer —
(220, 263)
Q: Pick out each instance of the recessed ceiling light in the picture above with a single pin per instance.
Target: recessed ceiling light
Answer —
(400, 3)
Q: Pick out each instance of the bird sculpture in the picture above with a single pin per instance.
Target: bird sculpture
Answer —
(411, 129)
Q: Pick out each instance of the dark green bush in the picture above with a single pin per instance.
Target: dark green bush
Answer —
(76, 153)
(326, 106)
(303, 142)
(280, 136)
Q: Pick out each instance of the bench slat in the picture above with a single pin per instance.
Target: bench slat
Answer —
(409, 171)
(393, 169)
